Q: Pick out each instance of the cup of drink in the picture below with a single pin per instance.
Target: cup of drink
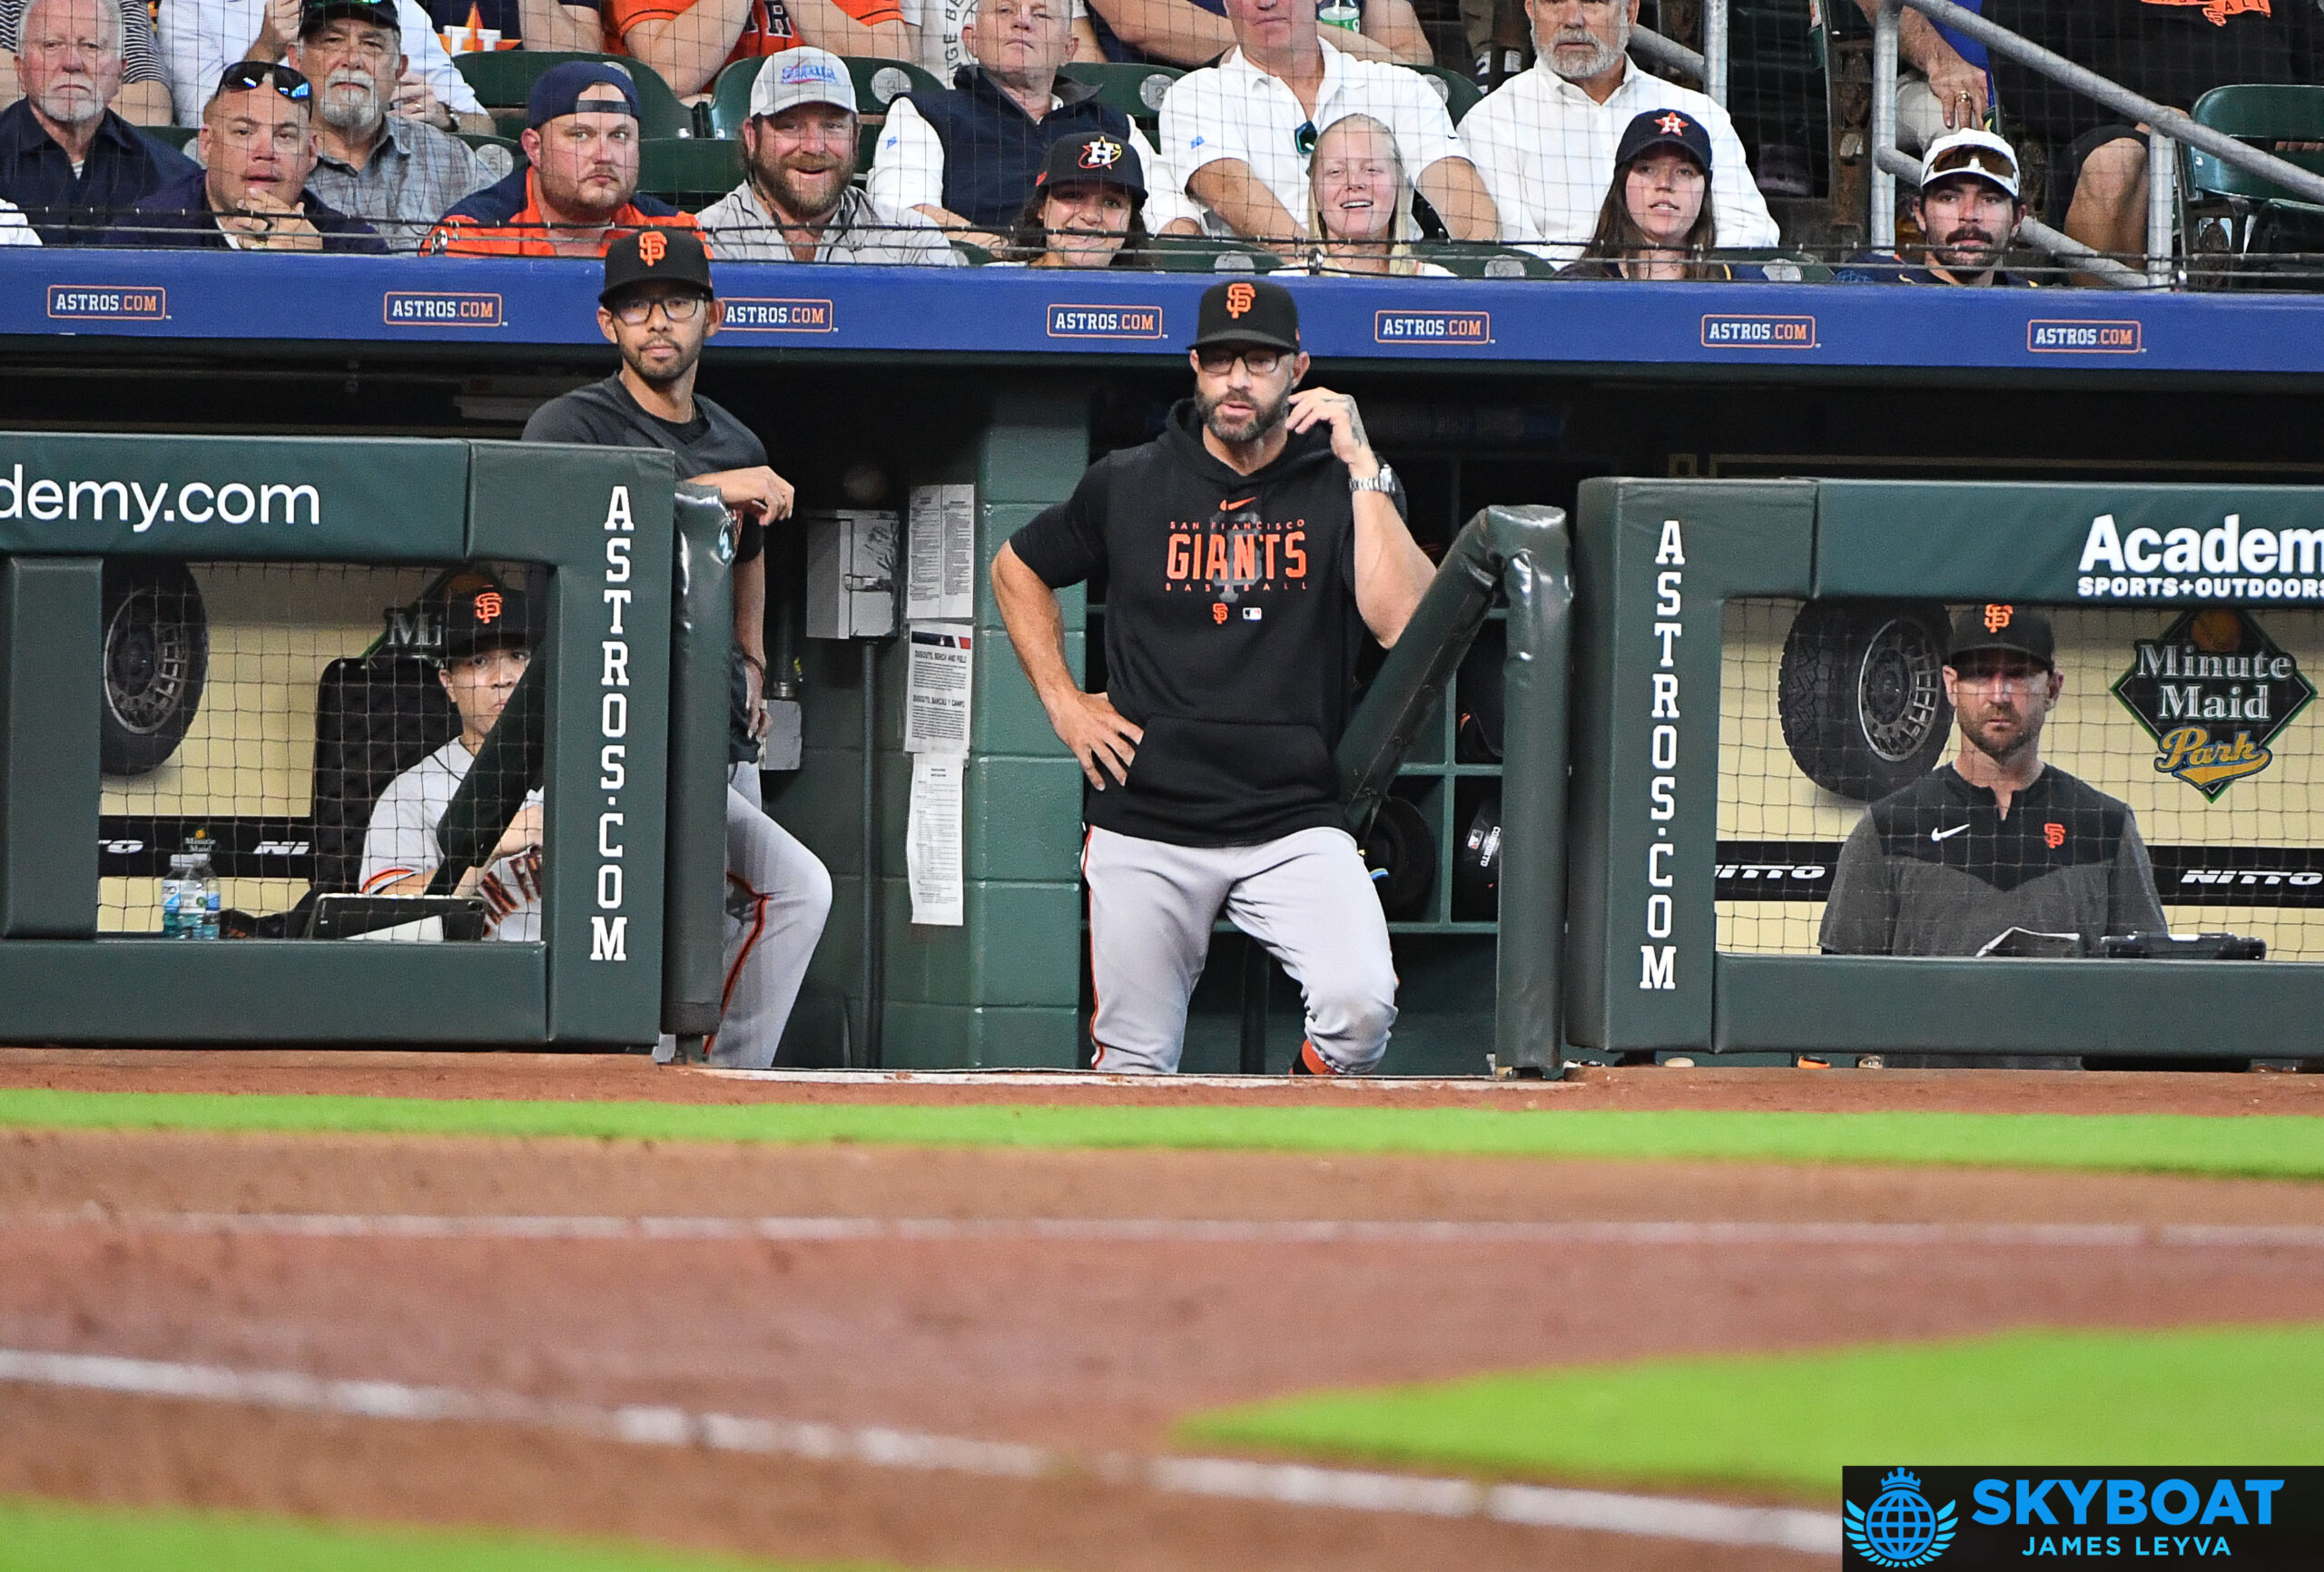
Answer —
(1340, 14)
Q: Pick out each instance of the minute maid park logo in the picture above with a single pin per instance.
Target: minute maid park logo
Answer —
(2213, 691)
(1900, 1529)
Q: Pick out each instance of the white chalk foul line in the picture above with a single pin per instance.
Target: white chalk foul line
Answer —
(653, 1425)
(1193, 1230)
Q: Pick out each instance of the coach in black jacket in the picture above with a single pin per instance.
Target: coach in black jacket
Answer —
(1247, 550)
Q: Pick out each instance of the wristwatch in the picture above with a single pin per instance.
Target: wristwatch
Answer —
(1384, 481)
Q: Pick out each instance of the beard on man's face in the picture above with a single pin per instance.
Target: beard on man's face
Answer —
(806, 185)
(1265, 415)
(351, 112)
(659, 370)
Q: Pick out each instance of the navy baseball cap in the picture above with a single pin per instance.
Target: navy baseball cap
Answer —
(1664, 128)
(379, 13)
(562, 90)
(1102, 157)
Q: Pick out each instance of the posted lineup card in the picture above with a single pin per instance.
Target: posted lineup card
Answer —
(932, 840)
(939, 577)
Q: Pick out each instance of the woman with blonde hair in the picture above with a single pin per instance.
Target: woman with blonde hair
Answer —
(1360, 205)
(1656, 221)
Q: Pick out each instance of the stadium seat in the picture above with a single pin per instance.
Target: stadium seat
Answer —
(879, 83)
(1202, 254)
(177, 136)
(691, 172)
(1457, 89)
(2225, 213)
(499, 154)
(503, 77)
(1135, 90)
(1479, 260)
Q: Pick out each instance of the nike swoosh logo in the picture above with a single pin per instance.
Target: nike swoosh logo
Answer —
(1231, 506)
(1946, 834)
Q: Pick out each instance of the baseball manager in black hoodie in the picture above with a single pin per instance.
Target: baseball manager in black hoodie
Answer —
(1245, 551)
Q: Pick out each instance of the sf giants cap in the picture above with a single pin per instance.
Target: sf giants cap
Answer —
(1247, 311)
(1976, 153)
(577, 85)
(802, 75)
(663, 256)
(2022, 630)
(480, 612)
(1664, 128)
(1080, 159)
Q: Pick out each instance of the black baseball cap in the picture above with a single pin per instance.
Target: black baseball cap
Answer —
(379, 13)
(480, 612)
(2000, 626)
(674, 255)
(1247, 311)
(1664, 128)
(1076, 160)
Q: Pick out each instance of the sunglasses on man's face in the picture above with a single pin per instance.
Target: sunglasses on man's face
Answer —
(244, 76)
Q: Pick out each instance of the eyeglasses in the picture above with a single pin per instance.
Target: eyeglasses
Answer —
(245, 75)
(1258, 362)
(1305, 138)
(638, 309)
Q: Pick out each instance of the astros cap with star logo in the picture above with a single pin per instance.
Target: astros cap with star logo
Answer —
(1664, 128)
(1076, 159)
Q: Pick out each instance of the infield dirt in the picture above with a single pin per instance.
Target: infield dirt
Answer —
(1079, 1345)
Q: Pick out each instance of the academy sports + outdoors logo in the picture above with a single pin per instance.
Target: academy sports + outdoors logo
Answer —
(1900, 1527)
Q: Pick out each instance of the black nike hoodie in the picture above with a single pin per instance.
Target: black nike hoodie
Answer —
(1231, 630)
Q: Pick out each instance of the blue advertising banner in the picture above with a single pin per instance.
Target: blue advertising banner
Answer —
(206, 296)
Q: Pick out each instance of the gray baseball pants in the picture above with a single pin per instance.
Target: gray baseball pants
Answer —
(778, 895)
(1307, 897)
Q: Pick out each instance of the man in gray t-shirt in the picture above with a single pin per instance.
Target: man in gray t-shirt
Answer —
(1996, 840)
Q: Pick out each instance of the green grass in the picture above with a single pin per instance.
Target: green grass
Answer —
(57, 1537)
(1787, 1422)
(2272, 1145)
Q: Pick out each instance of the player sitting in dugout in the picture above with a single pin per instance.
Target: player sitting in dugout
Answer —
(1996, 840)
(487, 648)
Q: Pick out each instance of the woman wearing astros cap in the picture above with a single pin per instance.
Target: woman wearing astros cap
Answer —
(1086, 208)
(1657, 221)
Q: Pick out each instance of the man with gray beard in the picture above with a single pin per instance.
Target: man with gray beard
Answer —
(396, 173)
(1545, 138)
(66, 157)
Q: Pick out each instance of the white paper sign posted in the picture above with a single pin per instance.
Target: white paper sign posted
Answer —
(932, 840)
(936, 688)
(940, 570)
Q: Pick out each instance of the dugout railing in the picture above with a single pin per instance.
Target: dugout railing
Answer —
(1672, 574)
(632, 641)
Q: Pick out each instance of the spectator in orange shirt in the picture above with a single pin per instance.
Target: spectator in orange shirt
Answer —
(689, 45)
(580, 189)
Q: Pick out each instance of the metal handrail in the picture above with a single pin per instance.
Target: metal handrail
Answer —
(1668, 51)
(2162, 117)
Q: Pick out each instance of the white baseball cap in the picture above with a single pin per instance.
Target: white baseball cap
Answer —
(802, 75)
(1976, 153)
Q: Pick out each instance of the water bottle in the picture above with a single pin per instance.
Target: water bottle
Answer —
(1340, 14)
(189, 898)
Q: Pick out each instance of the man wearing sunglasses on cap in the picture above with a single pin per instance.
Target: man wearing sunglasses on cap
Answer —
(1247, 550)
(395, 171)
(257, 148)
(1967, 209)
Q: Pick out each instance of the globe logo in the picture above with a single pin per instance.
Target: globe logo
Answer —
(1900, 1529)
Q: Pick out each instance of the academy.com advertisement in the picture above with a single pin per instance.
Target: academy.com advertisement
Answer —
(1957, 1519)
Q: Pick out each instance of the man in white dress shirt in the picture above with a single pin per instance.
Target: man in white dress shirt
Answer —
(201, 38)
(1545, 138)
(1237, 136)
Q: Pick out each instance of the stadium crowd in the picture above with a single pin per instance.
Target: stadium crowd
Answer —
(1313, 134)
